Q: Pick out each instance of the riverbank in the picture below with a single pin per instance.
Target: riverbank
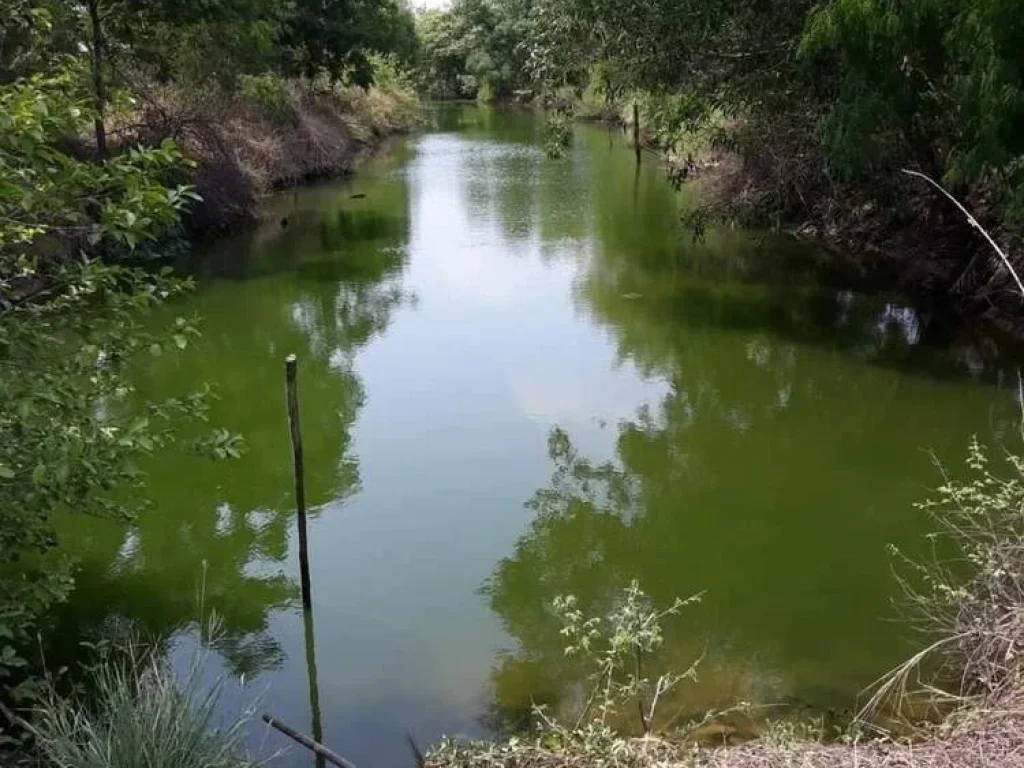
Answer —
(267, 135)
(995, 739)
(654, 389)
(889, 228)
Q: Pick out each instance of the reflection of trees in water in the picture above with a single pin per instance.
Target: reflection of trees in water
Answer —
(784, 458)
(701, 288)
(217, 532)
(534, 200)
(590, 536)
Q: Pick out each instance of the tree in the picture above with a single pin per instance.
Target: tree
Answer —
(98, 52)
(475, 48)
(336, 37)
(68, 327)
(931, 82)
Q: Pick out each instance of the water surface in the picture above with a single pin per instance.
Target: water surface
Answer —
(521, 378)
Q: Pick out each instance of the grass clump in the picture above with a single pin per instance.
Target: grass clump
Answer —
(138, 715)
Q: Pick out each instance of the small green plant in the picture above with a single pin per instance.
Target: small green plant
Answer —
(616, 649)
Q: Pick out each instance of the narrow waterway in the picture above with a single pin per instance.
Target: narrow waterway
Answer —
(521, 378)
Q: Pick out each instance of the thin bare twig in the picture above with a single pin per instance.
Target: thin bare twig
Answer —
(13, 718)
(973, 222)
(1020, 400)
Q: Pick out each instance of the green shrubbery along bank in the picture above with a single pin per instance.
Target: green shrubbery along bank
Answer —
(958, 702)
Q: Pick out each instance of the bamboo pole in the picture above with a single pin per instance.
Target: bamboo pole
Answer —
(636, 129)
(316, 718)
(314, 746)
(292, 396)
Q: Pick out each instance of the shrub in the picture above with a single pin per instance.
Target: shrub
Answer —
(616, 648)
(388, 73)
(970, 596)
(69, 327)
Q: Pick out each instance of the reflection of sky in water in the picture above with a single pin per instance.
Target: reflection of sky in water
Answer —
(903, 319)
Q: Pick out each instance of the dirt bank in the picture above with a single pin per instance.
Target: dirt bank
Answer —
(991, 740)
(268, 135)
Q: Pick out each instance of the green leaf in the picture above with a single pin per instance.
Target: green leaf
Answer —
(6, 473)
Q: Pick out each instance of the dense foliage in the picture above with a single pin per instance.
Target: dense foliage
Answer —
(475, 49)
(935, 83)
(206, 40)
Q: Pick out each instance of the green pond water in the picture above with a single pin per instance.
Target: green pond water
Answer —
(520, 378)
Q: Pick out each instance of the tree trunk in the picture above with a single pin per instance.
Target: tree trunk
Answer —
(99, 45)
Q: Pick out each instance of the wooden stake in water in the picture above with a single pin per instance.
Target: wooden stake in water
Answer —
(292, 395)
(314, 683)
(636, 129)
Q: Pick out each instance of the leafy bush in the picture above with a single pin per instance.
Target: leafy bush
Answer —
(389, 73)
(616, 648)
(929, 81)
